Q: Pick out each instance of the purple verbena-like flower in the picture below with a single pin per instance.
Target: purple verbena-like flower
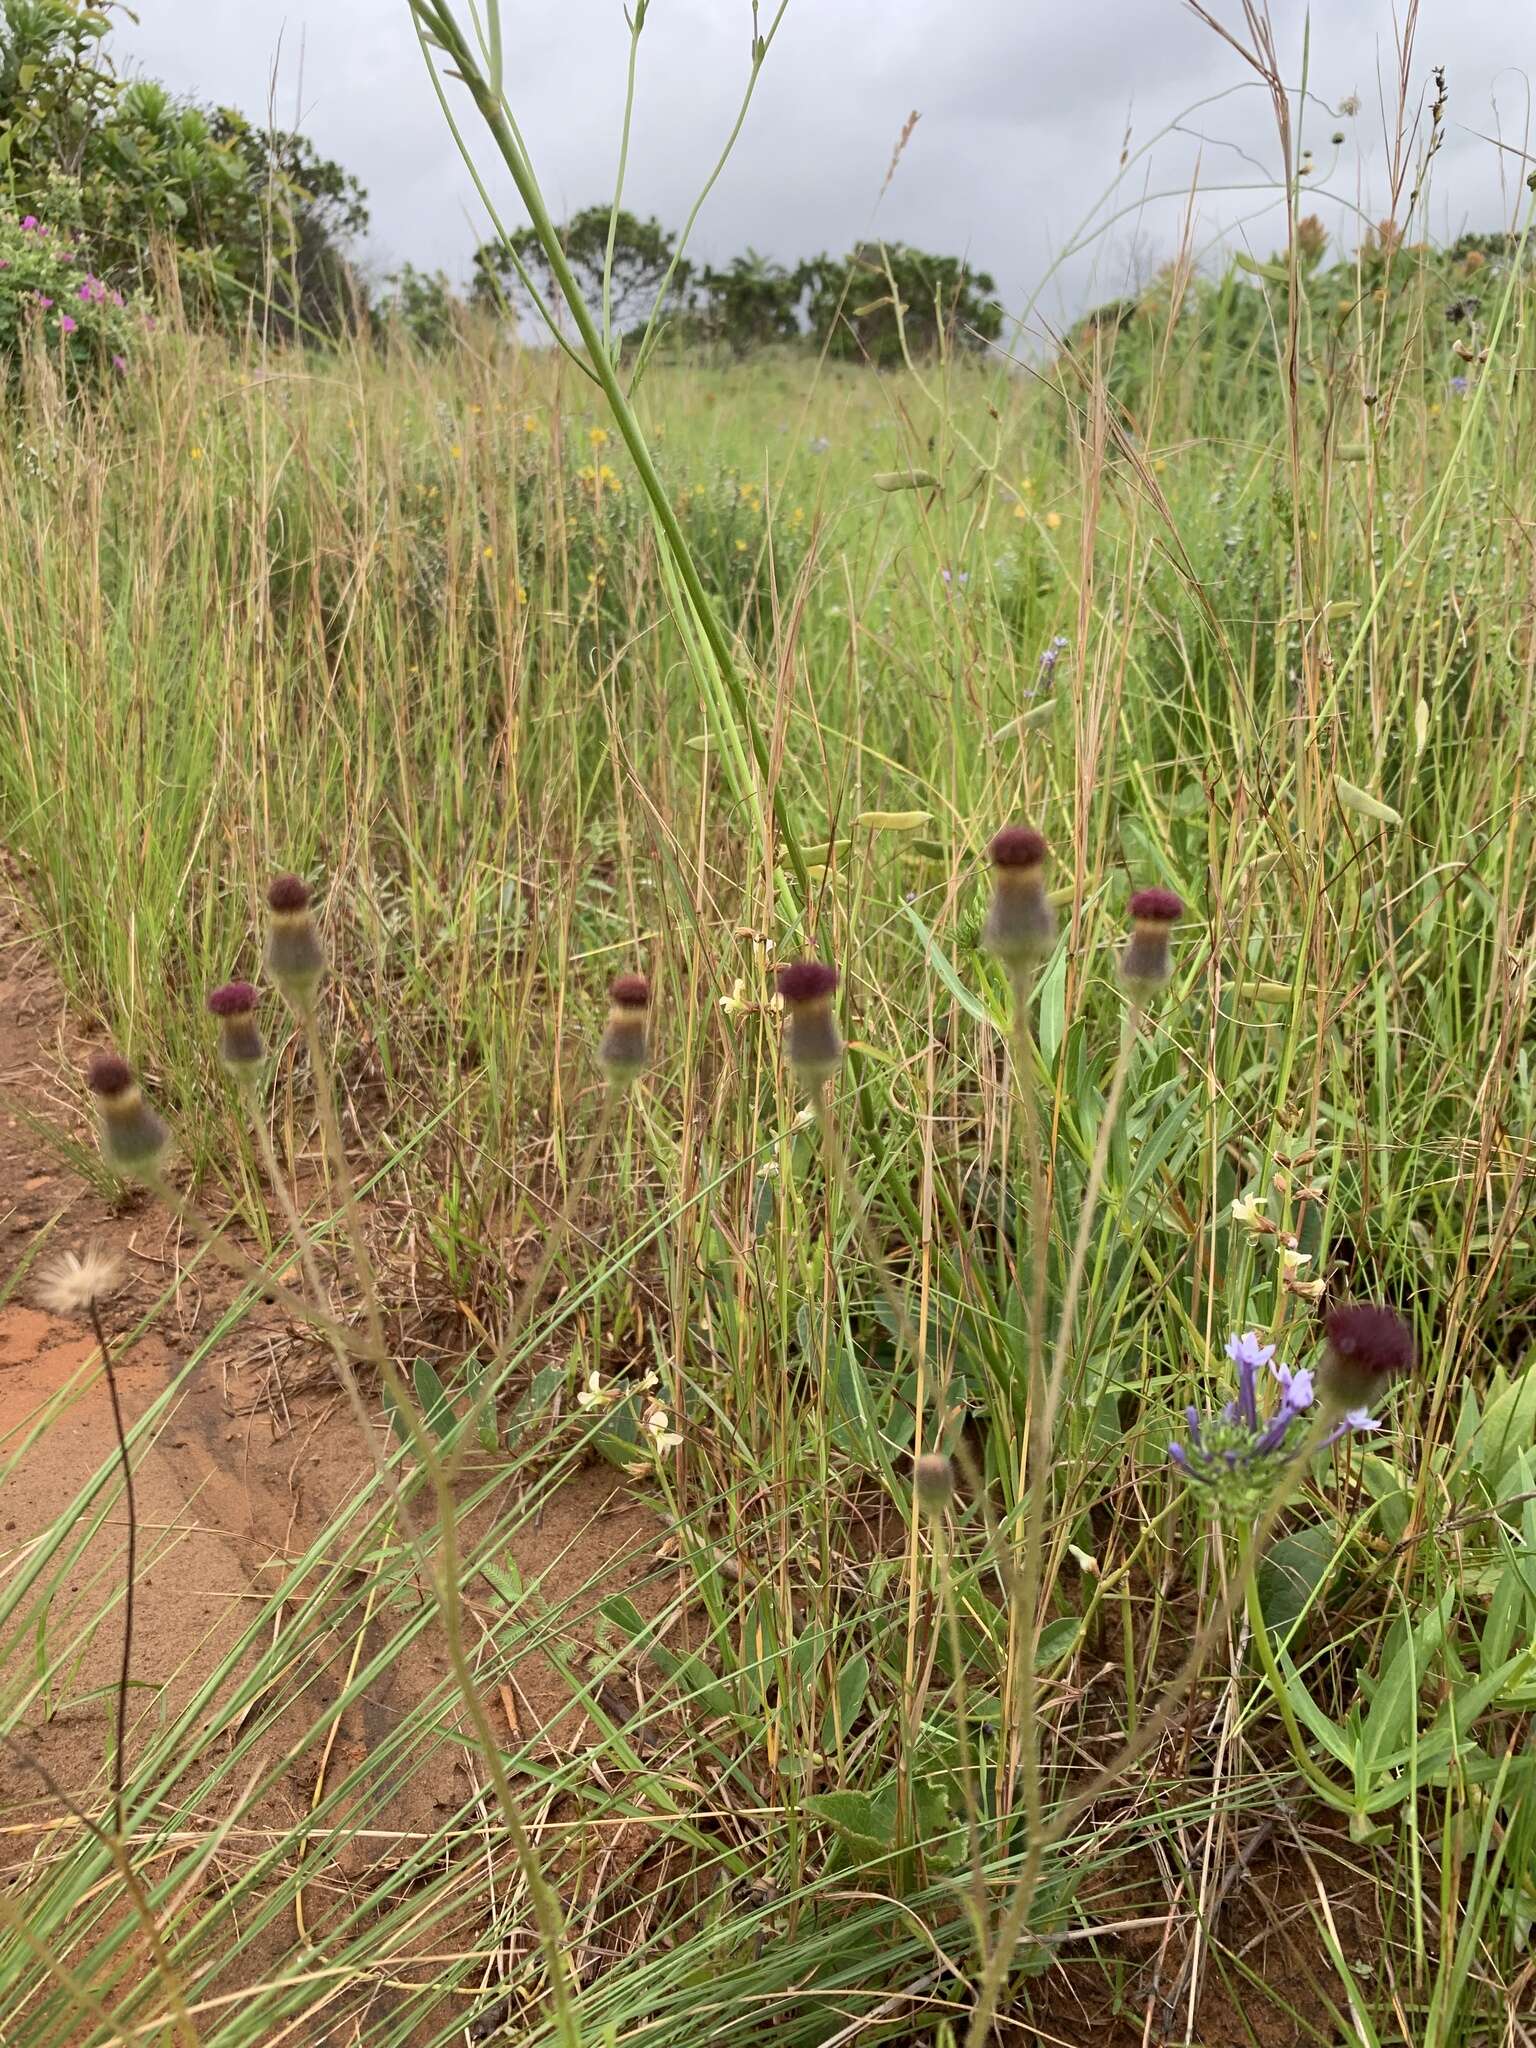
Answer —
(1237, 1455)
(67, 325)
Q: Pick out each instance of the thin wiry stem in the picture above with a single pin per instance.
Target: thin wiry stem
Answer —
(130, 1567)
(445, 1579)
(1146, 1737)
(1038, 1457)
(215, 1237)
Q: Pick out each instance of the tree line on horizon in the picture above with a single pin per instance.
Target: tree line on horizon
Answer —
(257, 227)
(252, 226)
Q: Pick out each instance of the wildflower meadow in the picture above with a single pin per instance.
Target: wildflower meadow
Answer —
(768, 1151)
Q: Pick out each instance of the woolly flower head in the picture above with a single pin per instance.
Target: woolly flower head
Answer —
(812, 1043)
(1020, 927)
(1146, 965)
(75, 1282)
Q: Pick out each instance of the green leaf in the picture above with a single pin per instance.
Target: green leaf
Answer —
(432, 1396)
(1292, 1575)
(856, 1818)
(1507, 1428)
(943, 967)
(1058, 1640)
(1394, 1705)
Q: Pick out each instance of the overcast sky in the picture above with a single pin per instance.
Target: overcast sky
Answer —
(1024, 105)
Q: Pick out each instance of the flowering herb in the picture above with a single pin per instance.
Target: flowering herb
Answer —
(39, 278)
(1237, 1456)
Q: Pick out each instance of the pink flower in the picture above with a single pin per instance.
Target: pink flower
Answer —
(85, 291)
(119, 362)
(29, 223)
(44, 300)
(66, 324)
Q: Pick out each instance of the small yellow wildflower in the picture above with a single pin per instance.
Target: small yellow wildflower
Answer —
(1053, 520)
(486, 552)
(741, 547)
(1021, 511)
(530, 424)
(456, 451)
(522, 593)
(598, 436)
(196, 454)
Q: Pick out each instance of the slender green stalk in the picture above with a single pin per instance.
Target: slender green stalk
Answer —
(130, 1566)
(443, 27)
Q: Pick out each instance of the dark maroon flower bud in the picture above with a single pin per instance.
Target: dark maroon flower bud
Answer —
(1146, 965)
(1020, 929)
(811, 1041)
(108, 1074)
(1364, 1347)
(624, 1048)
(288, 892)
(295, 959)
(240, 1041)
(134, 1141)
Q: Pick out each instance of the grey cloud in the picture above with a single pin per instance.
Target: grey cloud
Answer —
(1023, 112)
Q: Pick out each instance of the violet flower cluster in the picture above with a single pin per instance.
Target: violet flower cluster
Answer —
(1237, 1455)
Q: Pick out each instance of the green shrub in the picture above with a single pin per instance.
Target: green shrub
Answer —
(51, 295)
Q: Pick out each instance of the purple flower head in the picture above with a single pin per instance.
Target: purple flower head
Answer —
(1238, 1455)
(29, 223)
(119, 362)
(1460, 387)
(67, 325)
(44, 301)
